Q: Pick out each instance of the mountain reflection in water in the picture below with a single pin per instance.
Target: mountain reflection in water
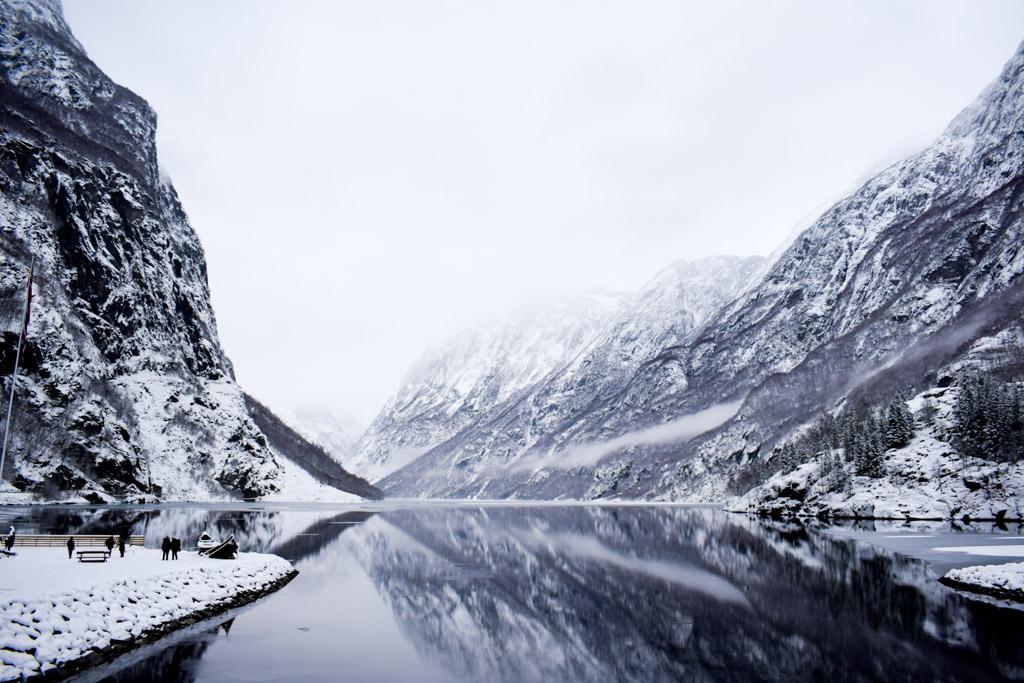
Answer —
(571, 593)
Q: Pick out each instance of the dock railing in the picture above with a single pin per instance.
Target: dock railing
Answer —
(81, 540)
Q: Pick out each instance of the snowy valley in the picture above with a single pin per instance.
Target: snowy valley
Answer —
(629, 459)
(687, 389)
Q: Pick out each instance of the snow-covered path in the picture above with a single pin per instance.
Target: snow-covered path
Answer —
(41, 571)
(54, 611)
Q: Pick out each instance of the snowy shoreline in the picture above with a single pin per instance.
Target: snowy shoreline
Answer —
(54, 631)
(1003, 581)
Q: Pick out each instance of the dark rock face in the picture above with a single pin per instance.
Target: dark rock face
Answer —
(888, 288)
(125, 389)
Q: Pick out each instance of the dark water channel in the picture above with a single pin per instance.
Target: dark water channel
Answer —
(563, 594)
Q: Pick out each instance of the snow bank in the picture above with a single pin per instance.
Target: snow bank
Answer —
(999, 580)
(61, 614)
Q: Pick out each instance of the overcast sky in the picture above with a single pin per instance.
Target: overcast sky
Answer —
(369, 176)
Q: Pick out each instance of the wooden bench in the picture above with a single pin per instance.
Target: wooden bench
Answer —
(93, 555)
(61, 540)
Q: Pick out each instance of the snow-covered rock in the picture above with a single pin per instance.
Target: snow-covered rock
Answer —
(307, 461)
(335, 432)
(926, 480)
(889, 286)
(999, 580)
(457, 384)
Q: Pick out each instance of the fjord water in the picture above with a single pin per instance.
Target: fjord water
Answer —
(553, 593)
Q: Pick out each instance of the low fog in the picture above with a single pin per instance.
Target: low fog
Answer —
(675, 431)
(368, 177)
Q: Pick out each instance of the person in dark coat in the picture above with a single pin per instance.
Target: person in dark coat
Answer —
(71, 546)
(120, 545)
(166, 546)
(110, 544)
(175, 548)
(9, 543)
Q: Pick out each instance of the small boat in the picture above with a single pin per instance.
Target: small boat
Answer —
(225, 550)
(206, 542)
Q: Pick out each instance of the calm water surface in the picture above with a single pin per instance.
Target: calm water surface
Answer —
(568, 594)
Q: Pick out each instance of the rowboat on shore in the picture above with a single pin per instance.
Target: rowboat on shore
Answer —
(225, 550)
(206, 542)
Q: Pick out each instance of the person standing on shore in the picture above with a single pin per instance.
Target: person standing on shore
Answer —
(120, 545)
(175, 548)
(166, 546)
(71, 546)
(9, 543)
(110, 544)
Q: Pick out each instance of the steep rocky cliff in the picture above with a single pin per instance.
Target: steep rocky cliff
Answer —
(889, 289)
(124, 389)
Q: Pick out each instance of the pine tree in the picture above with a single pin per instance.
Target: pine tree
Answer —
(871, 448)
(840, 477)
(987, 418)
(899, 423)
(928, 413)
(786, 459)
(875, 451)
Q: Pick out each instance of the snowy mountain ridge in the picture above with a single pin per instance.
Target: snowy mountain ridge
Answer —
(453, 384)
(336, 432)
(598, 351)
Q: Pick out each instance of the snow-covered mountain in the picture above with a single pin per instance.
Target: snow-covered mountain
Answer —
(336, 432)
(456, 384)
(563, 386)
(125, 389)
(887, 288)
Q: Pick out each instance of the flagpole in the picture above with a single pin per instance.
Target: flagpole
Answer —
(17, 359)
